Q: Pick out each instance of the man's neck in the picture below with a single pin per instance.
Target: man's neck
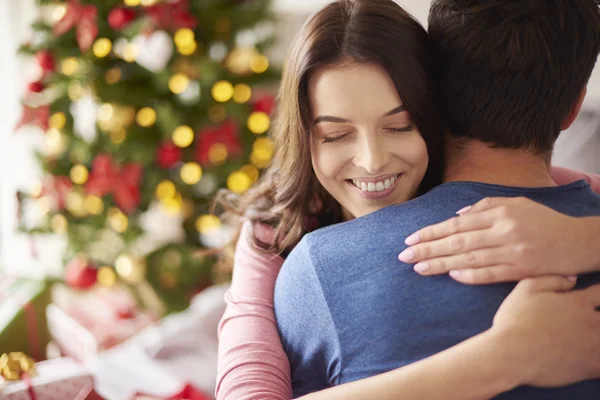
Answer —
(478, 162)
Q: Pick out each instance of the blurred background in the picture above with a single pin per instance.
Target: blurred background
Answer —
(119, 121)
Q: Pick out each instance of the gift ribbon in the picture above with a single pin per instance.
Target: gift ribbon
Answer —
(32, 331)
(17, 366)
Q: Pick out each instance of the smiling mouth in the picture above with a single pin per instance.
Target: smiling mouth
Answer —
(378, 186)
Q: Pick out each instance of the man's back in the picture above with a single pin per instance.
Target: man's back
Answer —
(348, 309)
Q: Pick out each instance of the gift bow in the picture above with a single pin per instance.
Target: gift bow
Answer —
(122, 182)
(83, 18)
(14, 365)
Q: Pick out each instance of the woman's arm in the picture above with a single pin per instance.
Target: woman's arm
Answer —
(252, 363)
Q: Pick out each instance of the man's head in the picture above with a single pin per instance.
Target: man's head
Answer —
(513, 72)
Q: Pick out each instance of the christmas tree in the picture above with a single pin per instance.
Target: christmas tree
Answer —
(148, 108)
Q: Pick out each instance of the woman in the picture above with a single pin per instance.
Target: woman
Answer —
(361, 72)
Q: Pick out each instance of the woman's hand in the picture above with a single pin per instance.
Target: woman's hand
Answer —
(505, 239)
(549, 331)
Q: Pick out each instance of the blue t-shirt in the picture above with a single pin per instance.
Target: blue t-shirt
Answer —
(347, 309)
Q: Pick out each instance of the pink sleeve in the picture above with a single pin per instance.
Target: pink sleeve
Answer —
(252, 363)
(562, 176)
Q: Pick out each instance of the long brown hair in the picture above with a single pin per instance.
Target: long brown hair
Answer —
(289, 197)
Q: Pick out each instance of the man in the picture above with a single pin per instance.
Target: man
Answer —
(514, 75)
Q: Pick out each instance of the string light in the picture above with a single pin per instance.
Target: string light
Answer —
(56, 142)
(132, 3)
(222, 91)
(187, 50)
(191, 173)
(165, 189)
(241, 93)
(105, 112)
(217, 154)
(178, 83)
(59, 12)
(117, 136)
(258, 122)
(184, 37)
(79, 174)
(102, 47)
(207, 223)
(146, 117)
(117, 220)
(130, 52)
(173, 204)
(93, 205)
(74, 90)
(183, 136)
(69, 66)
(59, 223)
(259, 64)
(57, 120)
(106, 276)
(75, 204)
(251, 171)
(113, 76)
(217, 114)
(238, 182)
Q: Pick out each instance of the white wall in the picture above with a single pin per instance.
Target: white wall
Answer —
(420, 9)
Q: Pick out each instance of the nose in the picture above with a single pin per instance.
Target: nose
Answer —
(371, 154)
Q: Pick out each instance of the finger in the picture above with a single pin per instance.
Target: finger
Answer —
(450, 227)
(449, 246)
(549, 283)
(491, 274)
(467, 260)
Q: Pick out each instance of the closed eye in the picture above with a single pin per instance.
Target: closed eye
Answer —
(401, 130)
(335, 139)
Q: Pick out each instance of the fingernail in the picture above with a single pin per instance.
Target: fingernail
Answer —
(406, 255)
(454, 273)
(421, 267)
(412, 239)
(572, 278)
(464, 210)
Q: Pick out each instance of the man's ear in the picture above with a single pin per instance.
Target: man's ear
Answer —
(568, 121)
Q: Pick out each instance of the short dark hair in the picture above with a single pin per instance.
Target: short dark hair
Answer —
(511, 70)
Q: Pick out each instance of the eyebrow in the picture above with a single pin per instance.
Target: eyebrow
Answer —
(329, 118)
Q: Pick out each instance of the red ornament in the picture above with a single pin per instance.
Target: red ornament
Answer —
(38, 116)
(35, 87)
(265, 104)
(121, 182)
(226, 134)
(80, 274)
(168, 155)
(171, 16)
(120, 17)
(83, 18)
(46, 60)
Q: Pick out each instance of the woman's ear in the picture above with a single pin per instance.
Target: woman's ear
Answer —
(568, 121)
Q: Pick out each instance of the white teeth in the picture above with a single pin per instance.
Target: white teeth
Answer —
(374, 186)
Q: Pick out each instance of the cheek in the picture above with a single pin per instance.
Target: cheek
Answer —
(327, 162)
(414, 151)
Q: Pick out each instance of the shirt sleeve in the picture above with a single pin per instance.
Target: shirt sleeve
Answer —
(562, 176)
(306, 325)
(252, 364)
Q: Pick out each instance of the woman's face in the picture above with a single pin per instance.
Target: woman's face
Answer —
(365, 149)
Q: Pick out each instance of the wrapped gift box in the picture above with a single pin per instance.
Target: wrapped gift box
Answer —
(23, 324)
(84, 324)
(57, 379)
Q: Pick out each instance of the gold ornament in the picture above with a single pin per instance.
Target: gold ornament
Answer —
(165, 189)
(74, 90)
(184, 37)
(57, 120)
(93, 205)
(217, 114)
(259, 64)
(187, 50)
(241, 93)
(75, 204)
(79, 174)
(183, 136)
(207, 223)
(106, 276)
(217, 154)
(14, 365)
(131, 269)
(238, 182)
(222, 91)
(117, 220)
(191, 173)
(172, 205)
(132, 3)
(69, 66)
(146, 117)
(102, 47)
(56, 142)
(178, 83)
(113, 76)
(251, 171)
(59, 224)
(258, 122)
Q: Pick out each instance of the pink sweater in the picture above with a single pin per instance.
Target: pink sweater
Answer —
(252, 363)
